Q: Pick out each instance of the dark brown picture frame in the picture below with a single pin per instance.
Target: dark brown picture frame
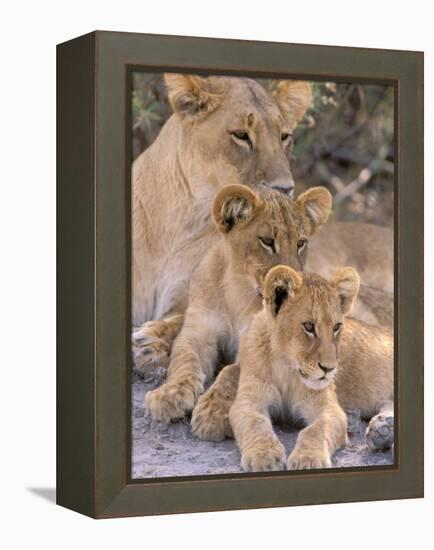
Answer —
(94, 213)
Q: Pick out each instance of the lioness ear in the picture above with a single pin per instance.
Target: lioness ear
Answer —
(234, 204)
(294, 98)
(347, 282)
(315, 206)
(191, 95)
(281, 283)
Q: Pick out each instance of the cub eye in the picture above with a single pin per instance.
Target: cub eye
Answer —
(301, 244)
(309, 327)
(285, 136)
(337, 327)
(268, 242)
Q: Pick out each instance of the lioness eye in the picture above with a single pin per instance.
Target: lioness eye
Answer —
(285, 136)
(268, 242)
(309, 327)
(241, 135)
(337, 327)
(301, 244)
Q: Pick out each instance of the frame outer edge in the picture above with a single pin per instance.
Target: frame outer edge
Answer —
(75, 409)
(411, 269)
(112, 495)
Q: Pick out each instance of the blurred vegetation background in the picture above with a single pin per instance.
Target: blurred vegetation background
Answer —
(345, 142)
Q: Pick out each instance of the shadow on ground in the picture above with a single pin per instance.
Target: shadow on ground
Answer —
(47, 493)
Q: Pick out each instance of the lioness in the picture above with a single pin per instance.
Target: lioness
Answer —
(223, 129)
(290, 368)
(257, 232)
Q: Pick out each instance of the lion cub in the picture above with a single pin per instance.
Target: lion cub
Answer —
(289, 364)
(257, 232)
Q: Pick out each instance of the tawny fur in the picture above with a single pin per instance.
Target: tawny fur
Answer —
(365, 247)
(195, 154)
(281, 378)
(256, 232)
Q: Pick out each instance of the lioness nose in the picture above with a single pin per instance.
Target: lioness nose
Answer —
(325, 369)
(284, 186)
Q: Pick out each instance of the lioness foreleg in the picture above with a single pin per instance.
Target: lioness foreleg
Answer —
(210, 419)
(317, 442)
(260, 447)
(193, 360)
(152, 344)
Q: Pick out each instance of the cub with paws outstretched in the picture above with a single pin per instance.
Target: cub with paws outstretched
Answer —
(290, 369)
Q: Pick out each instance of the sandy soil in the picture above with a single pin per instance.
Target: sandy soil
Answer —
(166, 451)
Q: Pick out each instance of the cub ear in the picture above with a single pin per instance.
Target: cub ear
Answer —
(281, 284)
(294, 98)
(315, 206)
(234, 204)
(191, 95)
(347, 282)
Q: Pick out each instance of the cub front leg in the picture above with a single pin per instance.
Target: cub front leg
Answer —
(152, 344)
(193, 360)
(210, 419)
(260, 448)
(317, 442)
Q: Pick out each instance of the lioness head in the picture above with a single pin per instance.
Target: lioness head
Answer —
(234, 130)
(307, 315)
(267, 228)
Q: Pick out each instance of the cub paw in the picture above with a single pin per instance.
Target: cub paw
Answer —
(308, 460)
(150, 352)
(210, 418)
(170, 401)
(268, 458)
(380, 432)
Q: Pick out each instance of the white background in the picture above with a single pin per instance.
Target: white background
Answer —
(29, 32)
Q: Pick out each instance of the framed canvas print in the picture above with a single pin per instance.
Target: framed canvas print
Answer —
(240, 274)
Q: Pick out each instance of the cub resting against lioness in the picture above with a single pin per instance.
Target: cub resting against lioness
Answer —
(302, 360)
(222, 129)
(257, 232)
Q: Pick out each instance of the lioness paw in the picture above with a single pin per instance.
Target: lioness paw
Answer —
(149, 351)
(265, 459)
(170, 401)
(380, 432)
(305, 460)
(210, 418)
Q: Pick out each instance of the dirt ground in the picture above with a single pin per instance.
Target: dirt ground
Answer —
(166, 451)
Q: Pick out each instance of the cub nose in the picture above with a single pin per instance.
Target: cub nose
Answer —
(325, 369)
